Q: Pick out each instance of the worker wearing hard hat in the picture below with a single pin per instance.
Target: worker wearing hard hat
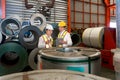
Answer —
(64, 38)
(46, 41)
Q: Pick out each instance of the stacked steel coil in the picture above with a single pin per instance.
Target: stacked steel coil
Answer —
(17, 41)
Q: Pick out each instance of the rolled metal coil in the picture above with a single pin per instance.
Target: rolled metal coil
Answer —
(14, 39)
(72, 53)
(1, 37)
(10, 27)
(93, 37)
(25, 23)
(86, 36)
(76, 39)
(16, 17)
(26, 39)
(38, 20)
(32, 59)
(13, 58)
(51, 74)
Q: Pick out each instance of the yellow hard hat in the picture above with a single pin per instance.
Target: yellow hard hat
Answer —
(62, 24)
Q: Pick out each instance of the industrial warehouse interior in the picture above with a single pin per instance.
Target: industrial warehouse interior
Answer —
(59, 40)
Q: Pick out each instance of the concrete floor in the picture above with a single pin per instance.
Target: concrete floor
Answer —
(107, 73)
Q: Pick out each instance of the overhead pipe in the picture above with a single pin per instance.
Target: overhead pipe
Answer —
(28, 6)
(50, 4)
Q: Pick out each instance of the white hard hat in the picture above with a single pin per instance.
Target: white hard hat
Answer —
(48, 26)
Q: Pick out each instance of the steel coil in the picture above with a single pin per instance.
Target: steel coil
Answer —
(32, 59)
(14, 39)
(96, 37)
(25, 23)
(93, 37)
(70, 58)
(13, 58)
(76, 39)
(17, 17)
(0, 20)
(10, 27)
(38, 20)
(26, 39)
(51, 74)
(86, 36)
(1, 37)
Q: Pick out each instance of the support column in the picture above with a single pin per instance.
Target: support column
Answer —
(118, 23)
(69, 16)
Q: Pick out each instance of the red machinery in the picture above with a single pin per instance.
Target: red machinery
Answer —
(109, 43)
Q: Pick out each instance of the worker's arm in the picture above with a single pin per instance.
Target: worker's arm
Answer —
(68, 39)
(41, 43)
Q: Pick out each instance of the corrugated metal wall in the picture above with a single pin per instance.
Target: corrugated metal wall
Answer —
(17, 7)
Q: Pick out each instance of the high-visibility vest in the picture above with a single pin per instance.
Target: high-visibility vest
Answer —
(46, 39)
(61, 36)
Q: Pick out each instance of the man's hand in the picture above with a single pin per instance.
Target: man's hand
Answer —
(63, 42)
(47, 42)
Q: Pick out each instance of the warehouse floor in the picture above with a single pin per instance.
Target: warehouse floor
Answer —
(107, 73)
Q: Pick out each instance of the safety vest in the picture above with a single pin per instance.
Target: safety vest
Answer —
(46, 39)
(61, 36)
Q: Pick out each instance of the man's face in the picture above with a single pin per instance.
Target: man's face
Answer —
(61, 29)
(49, 32)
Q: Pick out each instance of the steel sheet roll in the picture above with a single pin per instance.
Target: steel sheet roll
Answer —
(25, 23)
(1, 37)
(93, 37)
(17, 17)
(76, 39)
(32, 59)
(14, 39)
(96, 37)
(72, 58)
(86, 36)
(51, 75)
(38, 20)
(13, 58)
(10, 27)
(29, 36)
